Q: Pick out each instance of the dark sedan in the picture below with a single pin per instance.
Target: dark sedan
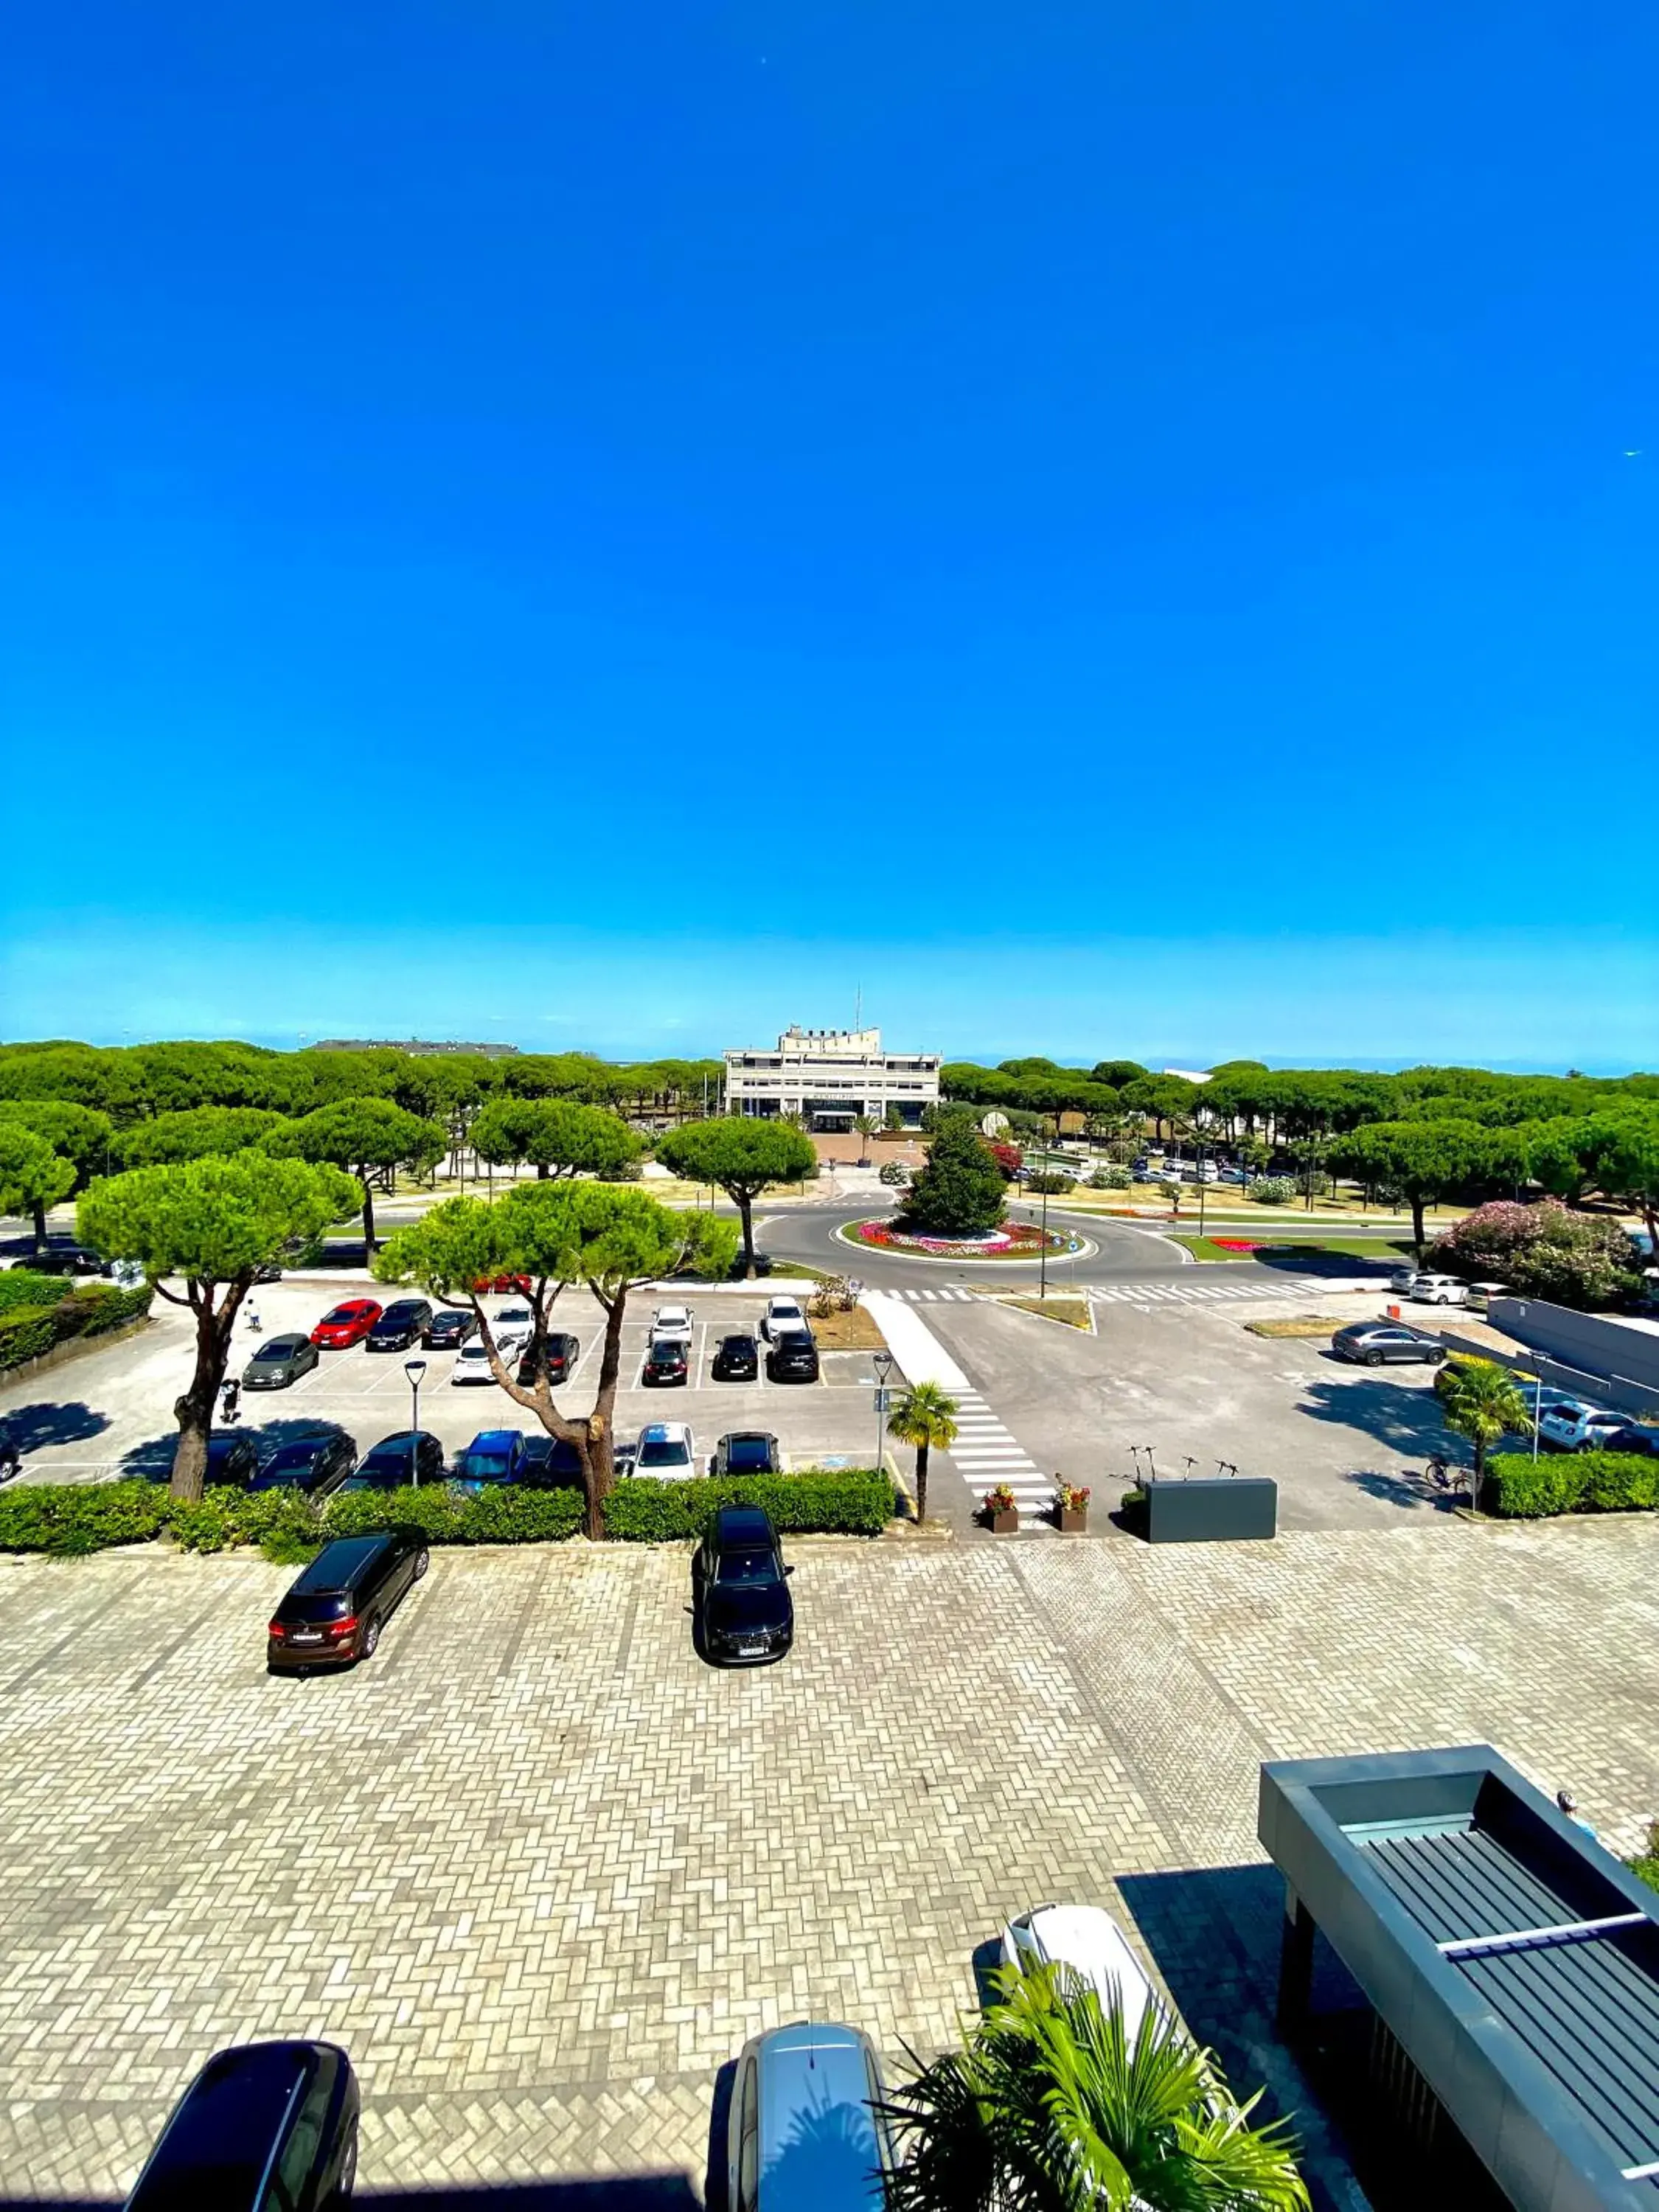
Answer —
(334, 1613)
(747, 1451)
(550, 1463)
(736, 1360)
(1637, 1437)
(262, 2125)
(1373, 1343)
(743, 1608)
(450, 1328)
(792, 1357)
(279, 1361)
(66, 1260)
(232, 1458)
(412, 1456)
(667, 1359)
(404, 1322)
(315, 1466)
(559, 1353)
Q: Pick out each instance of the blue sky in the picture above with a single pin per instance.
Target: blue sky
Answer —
(1113, 530)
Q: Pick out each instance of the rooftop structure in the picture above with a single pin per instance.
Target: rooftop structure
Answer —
(1512, 1963)
(831, 1076)
(419, 1048)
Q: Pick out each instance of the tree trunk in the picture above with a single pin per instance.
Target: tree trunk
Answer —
(921, 1484)
(599, 1458)
(746, 1213)
(368, 1221)
(541, 1170)
(40, 1228)
(1417, 1226)
(1478, 1488)
(194, 1410)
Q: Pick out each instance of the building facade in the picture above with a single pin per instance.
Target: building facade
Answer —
(830, 1076)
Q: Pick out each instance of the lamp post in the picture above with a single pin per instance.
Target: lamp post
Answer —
(415, 1369)
(882, 1363)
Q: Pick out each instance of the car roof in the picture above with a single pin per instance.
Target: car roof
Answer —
(659, 1432)
(217, 2144)
(350, 1305)
(745, 1527)
(300, 1448)
(401, 1305)
(494, 1439)
(739, 1336)
(289, 1340)
(1089, 1940)
(337, 1565)
(818, 2144)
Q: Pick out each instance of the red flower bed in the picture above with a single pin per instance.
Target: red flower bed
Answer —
(1235, 1243)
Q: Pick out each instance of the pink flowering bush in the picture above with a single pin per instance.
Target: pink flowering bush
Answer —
(1541, 1251)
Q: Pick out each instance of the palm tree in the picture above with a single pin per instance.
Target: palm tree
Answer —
(926, 1417)
(866, 1125)
(1481, 1401)
(1053, 2108)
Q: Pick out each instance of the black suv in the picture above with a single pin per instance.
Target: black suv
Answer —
(334, 1613)
(315, 1465)
(397, 1462)
(232, 1457)
(743, 1606)
(262, 2124)
(737, 1360)
(404, 1322)
(746, 1451)
(667, 1360)
(792, 1357)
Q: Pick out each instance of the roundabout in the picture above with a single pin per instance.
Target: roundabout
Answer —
(1014, 1244)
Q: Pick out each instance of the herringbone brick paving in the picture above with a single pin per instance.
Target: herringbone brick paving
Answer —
(543, 1872)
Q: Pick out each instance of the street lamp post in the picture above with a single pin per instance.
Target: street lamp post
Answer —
(882, 1363)
(415, 1369)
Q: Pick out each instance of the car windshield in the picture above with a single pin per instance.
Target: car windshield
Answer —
(663, 1451)
(487, 1467)
(749, 1451)
(739, 1343)
(293, 1459)
(745, 1567)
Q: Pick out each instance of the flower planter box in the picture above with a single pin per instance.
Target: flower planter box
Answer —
(1005, 1524)
(1074, 1520)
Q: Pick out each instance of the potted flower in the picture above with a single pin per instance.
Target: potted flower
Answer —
(1072, 1507)
(1001, 1511)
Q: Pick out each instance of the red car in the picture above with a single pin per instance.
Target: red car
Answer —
(502, 1283)
(348, 1324)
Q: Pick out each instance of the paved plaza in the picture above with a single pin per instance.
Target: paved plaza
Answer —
(543, 1872)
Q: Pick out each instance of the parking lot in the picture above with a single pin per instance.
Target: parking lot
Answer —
(111, 1409)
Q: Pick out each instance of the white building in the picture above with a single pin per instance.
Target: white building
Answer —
(829, 1076)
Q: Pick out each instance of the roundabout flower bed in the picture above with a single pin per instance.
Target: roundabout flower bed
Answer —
(1014, 1240)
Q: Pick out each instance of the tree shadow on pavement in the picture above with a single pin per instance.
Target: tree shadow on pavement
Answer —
(34, 1427)
(1406, 1488)
(1407, 1421)
(1291, 1259)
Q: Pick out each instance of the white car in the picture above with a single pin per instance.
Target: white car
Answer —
(668, 1451)
(1438, 1291)
(671, 1320)
(782, 1315)
(512, 1326)
(1091, 1944)
(472, 1363)
(1578, 1427)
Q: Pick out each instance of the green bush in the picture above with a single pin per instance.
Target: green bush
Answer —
(858, 1501)
(1271, 1190)
(1054, 1184)
(26, 1331)
(69, 1517)
(22, 1287)
(1111, 1179)
(509, 1515)
(226, 1516)
(1519, 1487)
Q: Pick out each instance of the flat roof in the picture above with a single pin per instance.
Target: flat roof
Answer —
(1516, 1960)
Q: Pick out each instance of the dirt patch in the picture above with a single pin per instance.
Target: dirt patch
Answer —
(1298, 1325)
(1074, 1312)
(854, 1331)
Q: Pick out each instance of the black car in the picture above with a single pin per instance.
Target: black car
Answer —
(449, 1327)
(335, 1612)
(736, 1360)
(279, 1361)
(792, 1357)
(315, 1466)
(667, 1359)
(233, 1457)
(559, 1354)
(746, 1451)
(743, 1605)
(1370, 1343)
(549, 1463)
(66, 1260)
(411, 1457)
(263, 2124)
(404, 1322)
(1637, 1437)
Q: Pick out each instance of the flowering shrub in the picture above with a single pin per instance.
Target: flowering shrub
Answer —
(1073, 1496)
(999, 1500)
(895, 1173)
(1235, 1243)
(1271, 1190)
(1009, 1158)
(1541, 1251)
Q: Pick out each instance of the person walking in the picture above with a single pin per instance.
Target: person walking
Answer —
(253, 1313)
(233, 1394)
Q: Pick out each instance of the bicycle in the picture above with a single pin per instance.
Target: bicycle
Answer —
(1441, 1475)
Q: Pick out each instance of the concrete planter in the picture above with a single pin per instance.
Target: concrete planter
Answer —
(1006, 1524)
(1074, 1520)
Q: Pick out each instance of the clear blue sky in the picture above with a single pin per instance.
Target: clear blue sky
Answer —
(1109, 528)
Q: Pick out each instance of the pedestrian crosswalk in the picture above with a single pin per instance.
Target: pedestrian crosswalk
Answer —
(985, 1454)
(1143, 1293)
(929, 1298)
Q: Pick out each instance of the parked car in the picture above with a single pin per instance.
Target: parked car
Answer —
(671, 1320)
(500, 1284)
(781, 1314)
(792, 1357)
(263, 2124)
(742, 1590)
(346, 1324)
(1577, 1427)
(334, 1613)
(1089, 1944)
(746, 1451)
(233, 1459)
(1438, 1291)
(450, 1326)
(403, 1323)
(1373, 1343)
(315, 1466)
(279, 1361)
(666, 1449)
(559, 1355)
(512, 1326)
(66, 1260)
(410, 1457)
(667, 1359)
(808, 2097)
(495, 1456)
(1638, 1436)
(737, 1359)
(550, 1463)
(472, 1362)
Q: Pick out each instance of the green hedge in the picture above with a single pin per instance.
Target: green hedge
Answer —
(641, 1510)
(67, 1517)
(28, 1331)
(1519, 1487)
(22, 1287)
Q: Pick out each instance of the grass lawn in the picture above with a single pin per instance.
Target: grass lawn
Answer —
(1300, 1325)
(847, 1332)
(1204, 1248)
(1074, 1312)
